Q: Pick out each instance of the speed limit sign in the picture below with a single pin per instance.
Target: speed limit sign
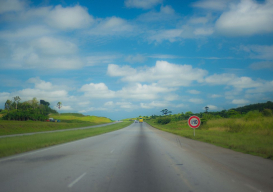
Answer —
(194, 122)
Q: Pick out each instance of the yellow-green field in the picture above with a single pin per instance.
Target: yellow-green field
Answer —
(14, 145)
(252, 136)
(67, 121)
(75, 117)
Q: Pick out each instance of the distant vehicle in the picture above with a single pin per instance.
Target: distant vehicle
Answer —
(141, 120)
(136, 121)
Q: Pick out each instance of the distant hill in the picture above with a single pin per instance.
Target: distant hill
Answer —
(257, 106)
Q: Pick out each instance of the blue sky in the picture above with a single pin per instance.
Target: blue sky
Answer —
(125, 58)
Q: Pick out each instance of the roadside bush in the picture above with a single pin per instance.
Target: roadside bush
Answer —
(267, 112)
(164, 120)
(252, 115)
(234, 127)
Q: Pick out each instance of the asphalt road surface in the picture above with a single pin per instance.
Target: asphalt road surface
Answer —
(138, 158)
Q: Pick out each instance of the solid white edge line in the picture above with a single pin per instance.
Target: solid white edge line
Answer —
(76, 180)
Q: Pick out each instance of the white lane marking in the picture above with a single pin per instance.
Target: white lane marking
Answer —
(76, 180)
(253, 188)
(112, 150)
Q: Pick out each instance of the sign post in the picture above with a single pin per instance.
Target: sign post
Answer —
(194, 122)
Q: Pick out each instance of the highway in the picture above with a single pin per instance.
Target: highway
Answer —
(138, 158)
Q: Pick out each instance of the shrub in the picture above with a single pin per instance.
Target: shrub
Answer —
(252, 115)
(164, 120)
(267, 112)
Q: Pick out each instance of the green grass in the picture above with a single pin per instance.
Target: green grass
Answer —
(15, 145)
(67, 121)
(248, 136)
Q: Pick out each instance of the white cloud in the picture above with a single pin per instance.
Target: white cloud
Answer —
(27, 32)
(109, 103)
(135, 58)
(240, 101)
(211, 107)
(142, 92)
(154, 104)
(246, 18)
(4, 96)
(11, 5)
(126, 105)
(215, 96)
(171, 35)
(100, 58)
(196, 101)
(262, 65)
(75, 17)
(259, 51)
(265, 87)
(54, 46)
(64, 108)
(231, 79)
(203, 31)
(111, 26)
(166, 13)
(99, 90)
(211, 4)
(163, 72)
(193, 92)
(144, 4)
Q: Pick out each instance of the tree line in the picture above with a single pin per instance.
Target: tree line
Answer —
(28, 110)
(264, 108)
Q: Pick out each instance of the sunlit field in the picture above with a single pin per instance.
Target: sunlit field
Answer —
(72, 120)
(252, 136)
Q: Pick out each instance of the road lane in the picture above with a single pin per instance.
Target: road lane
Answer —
(136, 158)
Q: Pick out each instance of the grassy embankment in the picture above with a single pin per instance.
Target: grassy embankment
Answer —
(252, 136)
(14, 145)
(68, 120)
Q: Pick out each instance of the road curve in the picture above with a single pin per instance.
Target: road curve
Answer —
(138, 158)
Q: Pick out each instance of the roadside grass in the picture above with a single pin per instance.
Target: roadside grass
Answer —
(14, 145)
(77, 117)
(244, 135)
(67, 122)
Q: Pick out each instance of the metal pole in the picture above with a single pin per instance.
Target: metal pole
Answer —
(194, 132)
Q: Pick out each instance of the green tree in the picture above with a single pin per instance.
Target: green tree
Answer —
(34, 103)
(165, 111)
(59, 105)
(8, 105)
(16, 100)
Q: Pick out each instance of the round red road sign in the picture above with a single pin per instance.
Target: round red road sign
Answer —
(194, 122)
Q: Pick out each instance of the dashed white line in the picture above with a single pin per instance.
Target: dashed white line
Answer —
(76, 180)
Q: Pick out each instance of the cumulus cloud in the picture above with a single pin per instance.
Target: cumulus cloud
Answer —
(154, 104)
(111, 26)
(54, 46)
(67, 18)
(215, 96)
(166, 13)
(27, 32)
(163, 72)
(99, 90)
(171, 35)
(233, 80)
(248, 17)
(144, 4)
(142, 92)
(240, 101)
(11, 5)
